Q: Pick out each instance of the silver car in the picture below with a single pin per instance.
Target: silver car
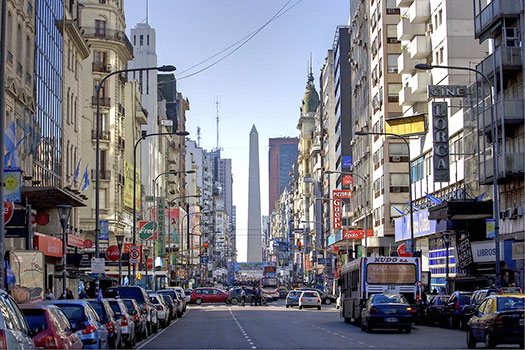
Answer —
(14, 330)
(310, 298)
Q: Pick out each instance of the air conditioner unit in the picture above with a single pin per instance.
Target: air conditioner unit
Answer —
(396, 189)
(396, 158)
(512, 213)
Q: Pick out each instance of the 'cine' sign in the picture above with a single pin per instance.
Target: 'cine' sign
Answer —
(440, 137)
(446, 91)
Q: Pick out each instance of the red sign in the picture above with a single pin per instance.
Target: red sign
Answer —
(401, 251)
(88, 243)
(112, 253)
(48, 245)
(348, 180)
(42, 218)
(74, 241)
(337, 213)
(342, 194)
(150, 263)
(127, 246)
(9, 209)
(357, 234)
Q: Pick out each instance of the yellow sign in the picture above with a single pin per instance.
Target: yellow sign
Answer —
(128, 186)
(405, 126)
(139, 276)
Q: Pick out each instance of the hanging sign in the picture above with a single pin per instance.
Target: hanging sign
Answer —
(440, 140)
(12, 185)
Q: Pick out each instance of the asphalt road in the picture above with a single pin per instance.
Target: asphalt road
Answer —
(275, 327)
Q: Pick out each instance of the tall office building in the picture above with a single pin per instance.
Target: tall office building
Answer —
(282, 154)
(254, 201)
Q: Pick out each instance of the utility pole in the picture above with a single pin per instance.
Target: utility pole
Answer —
(2, 134)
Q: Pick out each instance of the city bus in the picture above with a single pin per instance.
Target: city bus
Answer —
(377, 275)
(269, 282)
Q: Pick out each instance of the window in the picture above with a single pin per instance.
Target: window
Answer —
(441, 54)
(398, 182)
(380, 67)
(395, 209)
(391, 8)
(141, 40)
(102, 89)
(440, 16)
(99, 58)
(100, 28)
(391, 34)
(392, 62)
(379, 38)
(134, 40)
(417, 169)
(393, 91)
(397, 152)
(147, 40)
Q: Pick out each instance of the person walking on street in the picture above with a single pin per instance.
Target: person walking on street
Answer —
(243, 296)
(258, 296)
(69, 294)
(253, 299)
(49, 295)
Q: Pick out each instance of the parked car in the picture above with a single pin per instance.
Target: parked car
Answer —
(50, 327)
(326, 298)
(234, 296)
(140, 295)
(475, 301)
(182, 296)
(208, 295)
(163, 312)
(127, 326)
(85, 321)
(310, 298)
(283, 291)
(433, 313)
(292, 299)
(187, 293)
(500, 319)
(180, 302)
(386, 311)
(141, 323)
(172, 306)
(453, 310)
(106, 314)
(14, 330)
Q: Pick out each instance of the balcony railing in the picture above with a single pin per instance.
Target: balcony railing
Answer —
(495, 10)
(104, 101)
(103, 135)
(101, 67)
(506, 57)
(104, 174)
(511, 111)
(511, 165)
(108, 34)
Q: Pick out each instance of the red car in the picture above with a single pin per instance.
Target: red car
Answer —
(208, 295)
(51, 327)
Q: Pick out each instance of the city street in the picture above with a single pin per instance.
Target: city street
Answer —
(275, 327)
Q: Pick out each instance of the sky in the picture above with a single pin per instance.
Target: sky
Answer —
(262, 83)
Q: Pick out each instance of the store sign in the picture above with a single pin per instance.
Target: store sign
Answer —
(440, 139)
(422, 225)
(485, 251)
(74, 241)
(48, 245)
(464, 253)
(337, 206)
(357, 234)
(447, 91)
(147, 230)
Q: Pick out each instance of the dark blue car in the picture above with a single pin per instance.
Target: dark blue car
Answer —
(387, 311)
(292, 299)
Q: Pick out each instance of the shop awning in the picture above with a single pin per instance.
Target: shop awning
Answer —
(50, 197)
(461, 210)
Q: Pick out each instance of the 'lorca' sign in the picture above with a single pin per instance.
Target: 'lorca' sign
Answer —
(440, 136)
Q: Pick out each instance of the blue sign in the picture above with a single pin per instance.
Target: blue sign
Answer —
(104, 230)
(205, 259)
(347, 161)
(422, 225)
(322, 261)
(491, 228)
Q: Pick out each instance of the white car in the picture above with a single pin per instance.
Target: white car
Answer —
(310, 298)
(162, 309)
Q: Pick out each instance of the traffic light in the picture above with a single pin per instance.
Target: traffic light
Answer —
(299, 246)
(205, 251)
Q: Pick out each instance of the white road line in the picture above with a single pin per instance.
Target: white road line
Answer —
(242, 330)
(159, 333)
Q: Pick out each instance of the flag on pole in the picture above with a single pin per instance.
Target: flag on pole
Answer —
(77, 170)
(414, 206)
(481, 196)
(11, 157)
(433, 199)
(399, 211)
(86, 180)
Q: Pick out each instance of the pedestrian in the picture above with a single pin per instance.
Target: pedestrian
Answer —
(49, 295)
(243, 295)
(258, 296)
(253, 299)
(69, 294)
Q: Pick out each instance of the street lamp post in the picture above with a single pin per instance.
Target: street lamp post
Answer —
(365, 225)
(166, 68)
(178, 133)
(495, 165)
(120, 241)
(361, 133)
(146, 257)
(64, 211)
(322, 228)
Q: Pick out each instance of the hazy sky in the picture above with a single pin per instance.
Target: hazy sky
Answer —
(262, 83)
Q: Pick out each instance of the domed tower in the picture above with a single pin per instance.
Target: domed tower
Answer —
(311, 97)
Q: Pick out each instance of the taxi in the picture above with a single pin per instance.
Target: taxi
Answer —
(500, 319)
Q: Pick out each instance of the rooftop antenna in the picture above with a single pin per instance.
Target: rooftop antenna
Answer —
(217, 117)
(199, 136)
(147, 20)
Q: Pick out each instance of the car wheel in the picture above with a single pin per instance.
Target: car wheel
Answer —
(287, 306)
(328, 301)
(234, 301)
(319, 308)
(490, 342)
(198, 301)
(471, 341)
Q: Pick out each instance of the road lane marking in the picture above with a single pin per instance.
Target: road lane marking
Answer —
(162, 331)
(242, 330)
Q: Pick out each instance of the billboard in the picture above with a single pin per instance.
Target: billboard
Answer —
(337, 195)
(28, 270)
(128, 186)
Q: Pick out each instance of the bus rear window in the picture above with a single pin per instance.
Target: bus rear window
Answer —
(391, 273)
(269, 282)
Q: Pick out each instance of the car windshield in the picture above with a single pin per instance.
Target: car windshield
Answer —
(35, 318)
(187, 292)
(154, 300)
(74, 313)
(510, 303)
(389, 299)
(116, 308)
(131, 293)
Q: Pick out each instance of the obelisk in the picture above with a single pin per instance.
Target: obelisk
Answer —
(254, 201)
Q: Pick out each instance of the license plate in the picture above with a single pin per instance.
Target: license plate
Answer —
(391, 319)
(522, 322)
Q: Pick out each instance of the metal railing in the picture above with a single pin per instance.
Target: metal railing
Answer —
(490, 13)
(109, 34)
(104, 101)
(103, 135)
(505, 57)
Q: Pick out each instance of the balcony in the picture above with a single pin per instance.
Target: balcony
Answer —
(407, 30)
(103, 135)
(492, 13)
(101, 67)
(508, 58)
(419, 82)
(420, 47)
(408, 98)
(404, 3)
(104, 101)
(419, 11)
(509, 111)
(108, 34)
(511, 166)
(405, 64)
(104, 174)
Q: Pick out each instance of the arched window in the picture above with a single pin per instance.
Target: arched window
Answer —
(72, 109)
(9, 29)
(67, 106)
(19, 43)
(29, 55)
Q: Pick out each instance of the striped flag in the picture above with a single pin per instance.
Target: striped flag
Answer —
(11, 157)
(433, 199)
(86, 180)
(77, 171)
